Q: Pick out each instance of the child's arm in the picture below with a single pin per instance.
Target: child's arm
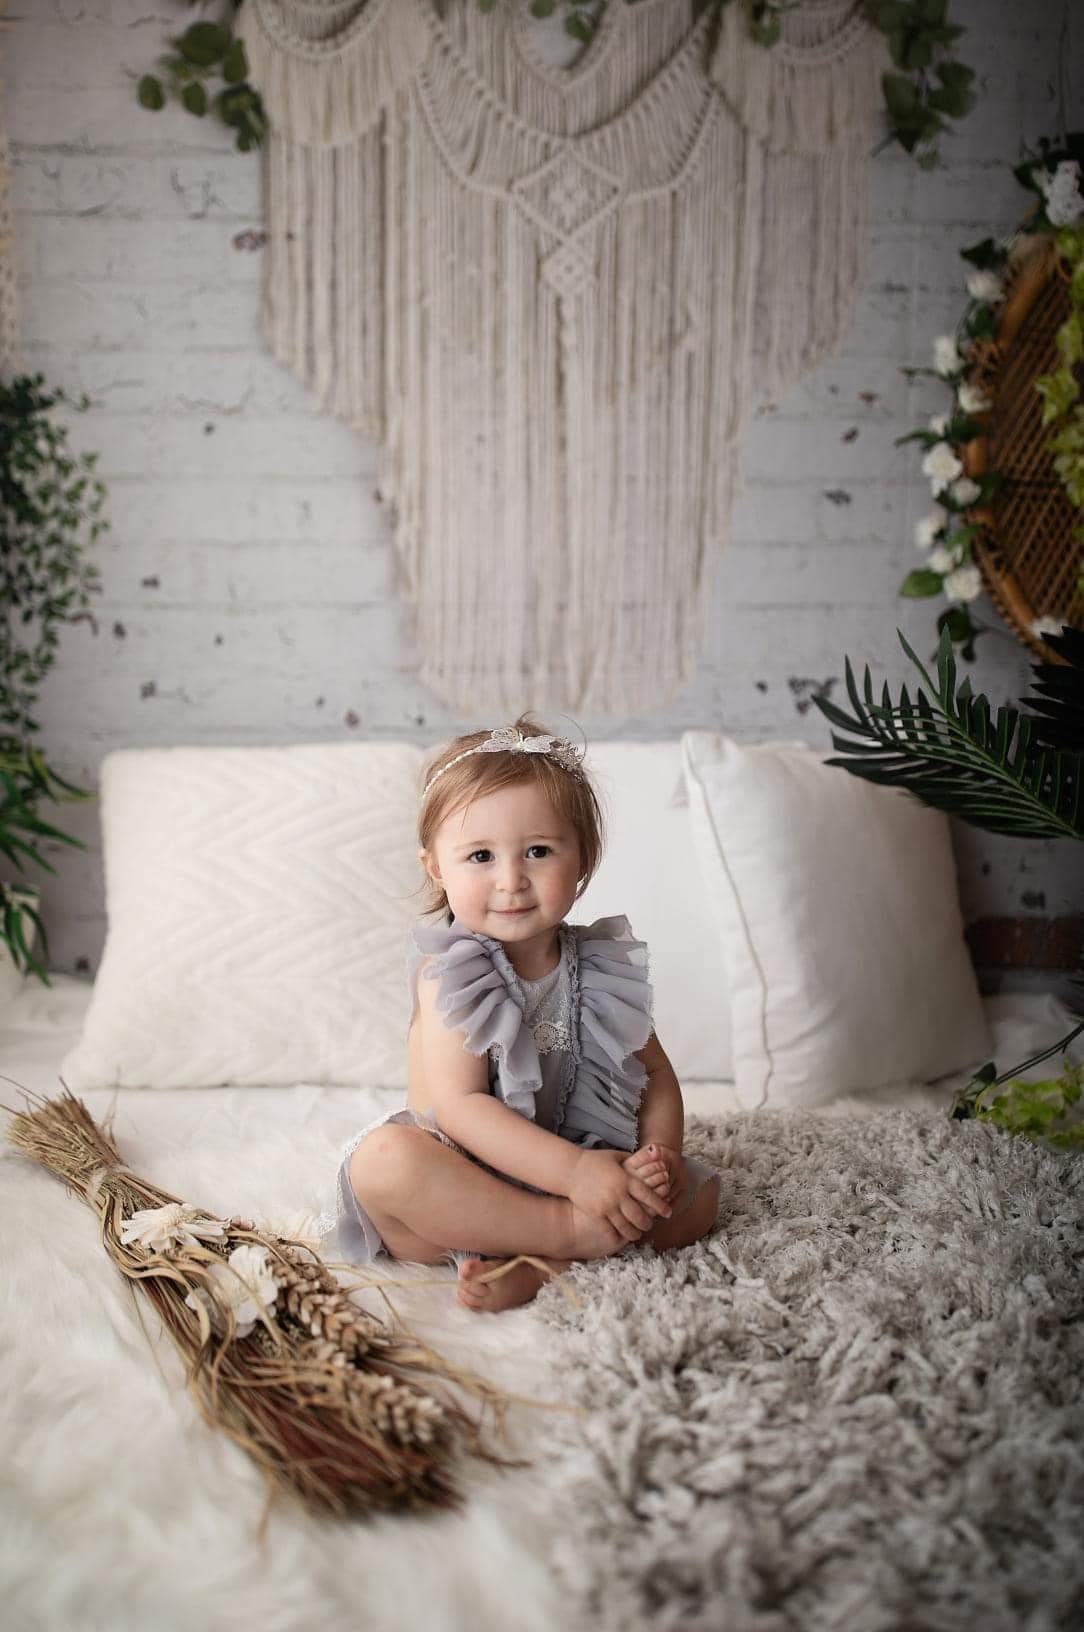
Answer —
(458, 1084)
(662, 1114)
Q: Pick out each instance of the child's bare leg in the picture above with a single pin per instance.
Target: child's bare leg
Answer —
(519, 1285)
(425, 1198)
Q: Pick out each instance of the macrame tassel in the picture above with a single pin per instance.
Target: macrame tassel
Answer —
(326, 73)
(819, 84)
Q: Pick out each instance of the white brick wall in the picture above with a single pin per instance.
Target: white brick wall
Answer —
(249, 580)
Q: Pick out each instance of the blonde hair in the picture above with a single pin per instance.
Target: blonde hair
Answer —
(571, 795)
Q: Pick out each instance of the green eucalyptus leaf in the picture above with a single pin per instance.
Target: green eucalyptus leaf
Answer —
(194, 98)
(150, 93)
(235, 63)
(921, 583)
(204, 44)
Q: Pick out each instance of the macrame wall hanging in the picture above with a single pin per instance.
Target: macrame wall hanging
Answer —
(554, 296)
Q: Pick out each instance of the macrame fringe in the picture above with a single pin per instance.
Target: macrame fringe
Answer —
(326, 74)
(817, 86)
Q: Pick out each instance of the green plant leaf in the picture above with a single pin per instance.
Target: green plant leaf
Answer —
(194, 98)
(954, 753)
(203, 44)
(150, 93)
(922, 583)
(235, 63)
(901, 97)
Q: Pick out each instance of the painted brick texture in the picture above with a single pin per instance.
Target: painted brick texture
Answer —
(250, 584)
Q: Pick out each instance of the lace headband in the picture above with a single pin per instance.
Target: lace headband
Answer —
(506, 739)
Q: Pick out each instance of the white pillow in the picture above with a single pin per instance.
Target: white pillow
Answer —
(258, 902)
(836, 901)
(648, 873)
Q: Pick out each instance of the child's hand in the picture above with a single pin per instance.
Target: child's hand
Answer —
(663, 1168)
(604, 1188)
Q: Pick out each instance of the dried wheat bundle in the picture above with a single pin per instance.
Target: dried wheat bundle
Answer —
(335, 1405)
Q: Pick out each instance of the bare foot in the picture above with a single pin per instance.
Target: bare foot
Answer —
(649, 1168)
(514, 1287)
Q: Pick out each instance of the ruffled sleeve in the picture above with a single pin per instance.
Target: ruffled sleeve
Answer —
(477, 995)
(615, 1020)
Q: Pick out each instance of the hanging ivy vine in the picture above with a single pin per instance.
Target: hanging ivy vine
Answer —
(206, 69)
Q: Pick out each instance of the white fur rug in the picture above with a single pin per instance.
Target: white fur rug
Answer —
(855, 1405)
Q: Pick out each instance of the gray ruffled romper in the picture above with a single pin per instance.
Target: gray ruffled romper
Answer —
(561, 1049)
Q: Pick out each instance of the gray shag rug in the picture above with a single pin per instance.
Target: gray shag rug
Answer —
(855, 1405)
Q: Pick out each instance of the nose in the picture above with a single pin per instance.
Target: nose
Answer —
(512, 877)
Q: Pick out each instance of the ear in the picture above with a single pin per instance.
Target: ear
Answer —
(429, 862)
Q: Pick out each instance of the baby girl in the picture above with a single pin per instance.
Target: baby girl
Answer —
(542, 1116)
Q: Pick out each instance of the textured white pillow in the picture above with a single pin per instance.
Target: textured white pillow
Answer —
(648, 872)
(837, 905)
(258, 902)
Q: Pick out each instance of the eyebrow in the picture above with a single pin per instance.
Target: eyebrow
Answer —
(479, 844)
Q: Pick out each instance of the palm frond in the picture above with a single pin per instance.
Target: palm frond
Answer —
(1059, 703)
(948, 748)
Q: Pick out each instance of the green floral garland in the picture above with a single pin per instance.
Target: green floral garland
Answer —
(946, 536)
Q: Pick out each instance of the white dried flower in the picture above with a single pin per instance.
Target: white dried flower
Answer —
(939, 424)
(946, 355)
(963, 584)
(972, 400)
(164, 1229)
(941, 466)
(941, 560)
(927, 530)
(1061, 190)
(1045, 626)
(964, 491)
(245, 1283)
(985, 286)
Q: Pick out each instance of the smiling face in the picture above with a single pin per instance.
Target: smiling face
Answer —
(508, 864)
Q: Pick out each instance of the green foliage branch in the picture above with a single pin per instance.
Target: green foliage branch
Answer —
(1000, 770)
(51, 504)
(206, 53)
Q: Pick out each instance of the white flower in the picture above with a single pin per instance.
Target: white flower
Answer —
(939, 424)
(946, 355)
(927, 530)
(972, 400)
(941, 560)
(245, 1283)
(941, 466)
(964, 491)
(963, 584)
(1045, 626)
(1064, 204)
(985, 286)
(163, 1229)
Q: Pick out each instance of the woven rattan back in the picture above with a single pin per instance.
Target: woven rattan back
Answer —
(1027, 550)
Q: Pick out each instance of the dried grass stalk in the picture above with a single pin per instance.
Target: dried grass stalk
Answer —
(337, 1406)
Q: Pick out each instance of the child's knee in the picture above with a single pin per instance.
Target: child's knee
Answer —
(382, 1163)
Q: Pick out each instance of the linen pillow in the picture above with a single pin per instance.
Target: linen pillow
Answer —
(648, 872)
(258, 905)
(841, 928)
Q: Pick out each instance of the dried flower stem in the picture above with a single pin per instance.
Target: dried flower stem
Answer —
(335, 1405)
